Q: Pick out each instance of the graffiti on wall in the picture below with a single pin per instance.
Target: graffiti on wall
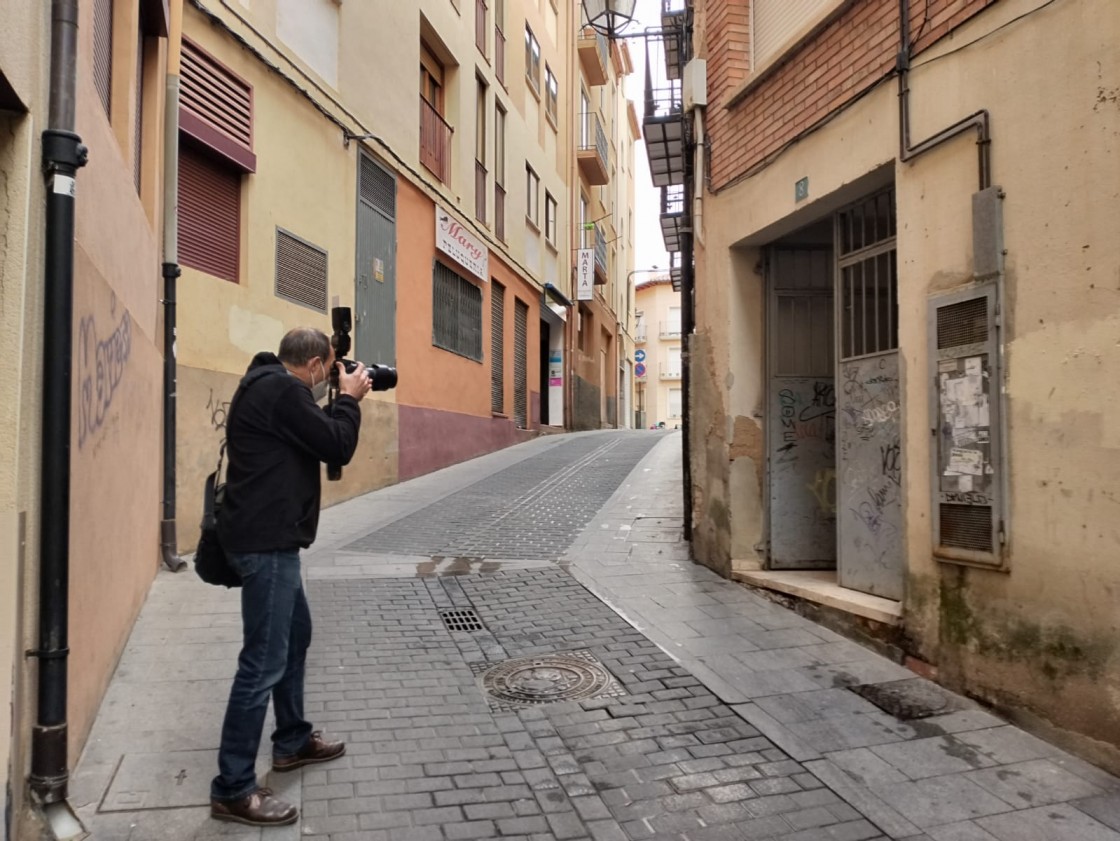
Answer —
(102, 364)
(219, 411)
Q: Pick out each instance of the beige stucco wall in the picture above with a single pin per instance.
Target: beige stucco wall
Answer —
(23, 64)
(1041, 638)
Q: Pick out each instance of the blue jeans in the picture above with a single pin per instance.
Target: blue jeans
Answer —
(276, 624)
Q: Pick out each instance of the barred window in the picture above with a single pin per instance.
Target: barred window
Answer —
(456, 313)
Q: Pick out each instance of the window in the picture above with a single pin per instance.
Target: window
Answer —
(584, 217)
(674, 402)
(456, 313)
(480, 152)
(532, 196)
(481, 27)
(103, 52)
(776, 24)
(216, 120)
(301, 271)
(532, 60)
(584, 120)
(435, 133)
(499, 143)
(550, 218)
(209, 213)
(431, 79)
(552, 95)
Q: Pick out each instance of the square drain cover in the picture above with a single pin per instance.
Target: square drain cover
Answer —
(911, 698)
(161, 781)
(462, 619)
(546, 679)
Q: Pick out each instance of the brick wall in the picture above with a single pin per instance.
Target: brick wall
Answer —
(850, 55)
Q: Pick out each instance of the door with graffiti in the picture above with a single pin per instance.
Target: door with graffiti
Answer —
(801, 399)
(869, 400)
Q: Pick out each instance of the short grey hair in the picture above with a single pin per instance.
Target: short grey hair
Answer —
(301, 345)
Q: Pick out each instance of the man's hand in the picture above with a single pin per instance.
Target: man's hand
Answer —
(356, 384)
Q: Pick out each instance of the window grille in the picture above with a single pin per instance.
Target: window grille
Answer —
(456, 313)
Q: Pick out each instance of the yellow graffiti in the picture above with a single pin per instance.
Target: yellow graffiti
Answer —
(824, 489)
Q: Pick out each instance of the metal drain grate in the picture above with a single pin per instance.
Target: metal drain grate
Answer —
(546, 679)
(910, 699)
(462, 619)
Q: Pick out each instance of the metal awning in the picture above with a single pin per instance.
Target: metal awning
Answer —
(664, 138)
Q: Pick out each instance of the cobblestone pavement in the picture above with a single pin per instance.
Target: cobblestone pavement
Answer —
(717, 714)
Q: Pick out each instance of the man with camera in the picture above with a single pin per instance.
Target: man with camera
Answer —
(276, 438)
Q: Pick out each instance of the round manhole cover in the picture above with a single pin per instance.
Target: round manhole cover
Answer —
(547, 679)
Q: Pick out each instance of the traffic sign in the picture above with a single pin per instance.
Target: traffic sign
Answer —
(639, 370)
(639, 355)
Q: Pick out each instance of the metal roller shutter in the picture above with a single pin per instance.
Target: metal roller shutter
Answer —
(209, 214)
(497, 347)
(520, 364)
(103, 51)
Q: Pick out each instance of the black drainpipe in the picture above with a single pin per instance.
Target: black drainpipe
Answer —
(63, 155)
(980, 121)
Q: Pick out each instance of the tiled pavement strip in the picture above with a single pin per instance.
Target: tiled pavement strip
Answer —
(745, 732)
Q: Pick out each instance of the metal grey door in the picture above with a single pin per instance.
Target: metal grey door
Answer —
(801, 399)
(375, 316)
(869, 400)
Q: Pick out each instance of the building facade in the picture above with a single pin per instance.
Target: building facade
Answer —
(657, 330)
(602, 195)
(906, 312)
(117, 367)
(435, 204)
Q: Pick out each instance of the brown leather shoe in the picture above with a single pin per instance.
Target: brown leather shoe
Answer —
(316, 750)
(258, 809)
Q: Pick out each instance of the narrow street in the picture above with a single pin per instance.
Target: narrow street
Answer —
(701, 710)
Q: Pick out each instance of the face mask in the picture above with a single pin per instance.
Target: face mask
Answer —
(319, 389)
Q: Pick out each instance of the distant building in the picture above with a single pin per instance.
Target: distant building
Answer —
(658, 334)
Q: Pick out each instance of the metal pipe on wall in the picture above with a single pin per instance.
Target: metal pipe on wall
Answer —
(171, 271)
(63, 155)
(980, 121)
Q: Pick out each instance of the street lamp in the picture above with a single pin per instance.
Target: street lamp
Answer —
(609, 17)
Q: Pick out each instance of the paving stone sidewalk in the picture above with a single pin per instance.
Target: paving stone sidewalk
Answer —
(726, 716)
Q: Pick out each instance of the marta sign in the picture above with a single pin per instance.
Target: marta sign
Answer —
(461, 245)
(585, 274)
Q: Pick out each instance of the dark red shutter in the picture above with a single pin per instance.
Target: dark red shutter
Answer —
(209, 214)
(216, 107)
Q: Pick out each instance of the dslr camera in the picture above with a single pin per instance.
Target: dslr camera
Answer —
(381, 377)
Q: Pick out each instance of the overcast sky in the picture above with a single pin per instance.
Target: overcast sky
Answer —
(648, 243)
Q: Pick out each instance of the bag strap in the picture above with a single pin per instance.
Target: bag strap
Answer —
(246, 381)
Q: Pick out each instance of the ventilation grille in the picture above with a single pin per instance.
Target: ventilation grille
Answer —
(103, 51)
(462, 619)
(966, 527)
(497, 347)
(456, 313)
(965, 323)
(301, 271)
(216, 96)
(378, 188)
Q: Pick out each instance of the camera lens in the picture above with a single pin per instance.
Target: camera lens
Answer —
(382, 377)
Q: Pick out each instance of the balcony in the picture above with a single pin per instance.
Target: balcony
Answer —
(593, 154)
(673, 25)
(601, 268)
(670, 330)
(675, 271)
(672, 217)
(479, 191)
(663, 122)
(640, 333)
(435, 142)
(480, 27)
(500, 55)
(499, 212)
(594, 56)
(670, 370)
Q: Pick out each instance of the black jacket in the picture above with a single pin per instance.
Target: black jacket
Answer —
(276, 437)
